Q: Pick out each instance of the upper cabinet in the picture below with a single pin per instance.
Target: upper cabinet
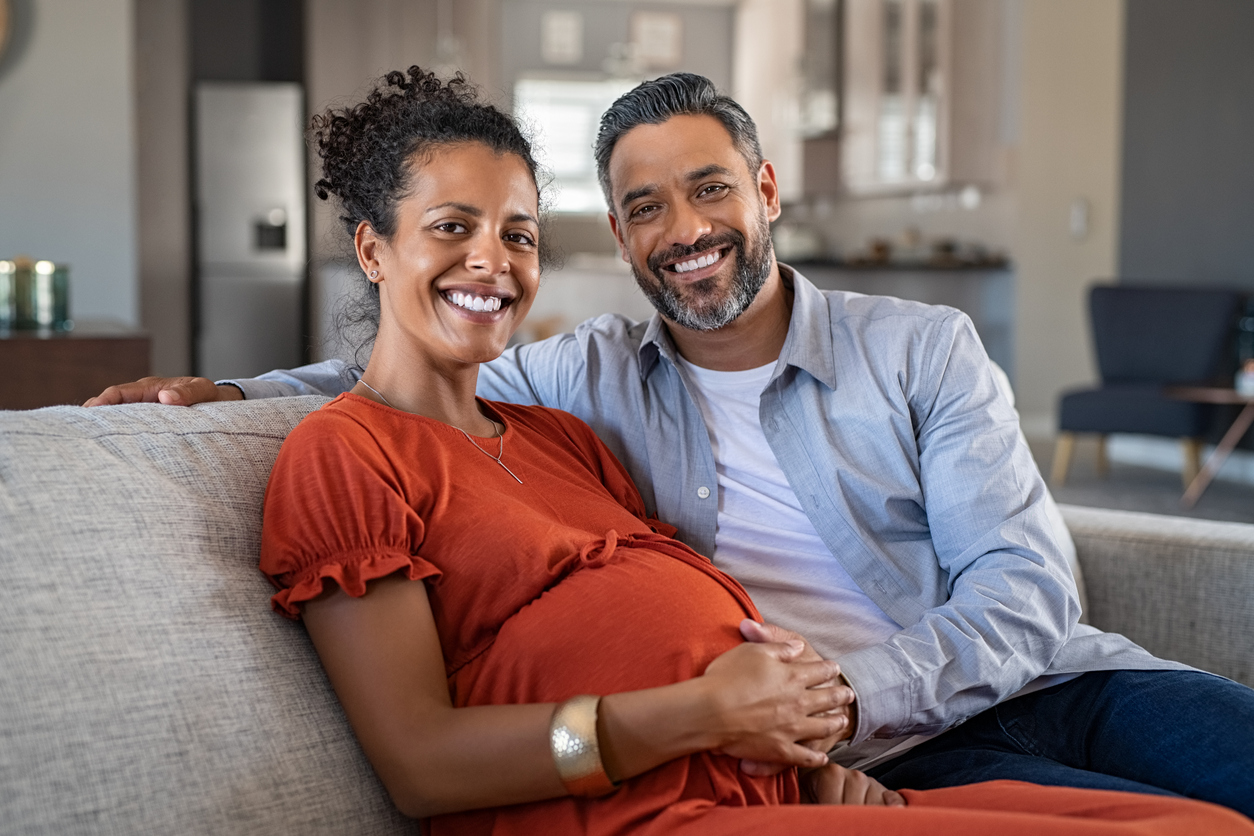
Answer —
(922, 84)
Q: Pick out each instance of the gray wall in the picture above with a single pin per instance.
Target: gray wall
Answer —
(1188, 143)
(161, 84)
(67, 150)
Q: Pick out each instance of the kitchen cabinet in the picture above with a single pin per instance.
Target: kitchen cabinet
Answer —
(923, 89)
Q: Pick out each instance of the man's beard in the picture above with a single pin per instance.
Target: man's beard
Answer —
(700, 306)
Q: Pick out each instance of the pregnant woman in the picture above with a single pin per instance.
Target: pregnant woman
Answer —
(517, 646)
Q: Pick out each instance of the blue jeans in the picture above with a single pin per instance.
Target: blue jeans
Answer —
(1163, 732)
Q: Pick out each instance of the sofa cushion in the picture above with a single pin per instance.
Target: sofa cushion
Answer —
(1181, 588)
(146, 686)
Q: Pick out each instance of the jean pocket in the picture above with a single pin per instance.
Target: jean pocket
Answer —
(1019, 728)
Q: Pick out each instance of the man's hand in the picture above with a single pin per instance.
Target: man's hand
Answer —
(834, 784)
(760, 633)
(174, 391)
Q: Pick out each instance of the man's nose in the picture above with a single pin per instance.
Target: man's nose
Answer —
(686, 225)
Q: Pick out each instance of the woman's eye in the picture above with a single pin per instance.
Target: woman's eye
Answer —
(451, 227)
(520, 238)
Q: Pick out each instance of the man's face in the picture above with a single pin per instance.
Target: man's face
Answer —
(692, 219)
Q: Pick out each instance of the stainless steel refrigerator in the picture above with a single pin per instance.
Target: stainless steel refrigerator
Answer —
(250, 227)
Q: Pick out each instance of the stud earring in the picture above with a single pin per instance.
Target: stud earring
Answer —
(374, 274)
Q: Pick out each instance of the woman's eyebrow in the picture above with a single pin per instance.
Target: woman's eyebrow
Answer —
(474, 211)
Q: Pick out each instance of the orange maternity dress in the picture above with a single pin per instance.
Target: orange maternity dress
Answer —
(561, 586)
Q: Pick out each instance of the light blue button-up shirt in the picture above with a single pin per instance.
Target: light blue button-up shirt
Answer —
(888, 422)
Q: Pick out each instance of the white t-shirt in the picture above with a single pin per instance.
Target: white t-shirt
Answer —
(766, 541)
(764, 538)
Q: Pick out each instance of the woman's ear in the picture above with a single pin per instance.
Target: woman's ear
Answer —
(367, 243)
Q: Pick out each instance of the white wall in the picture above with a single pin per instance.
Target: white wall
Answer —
(67, 158)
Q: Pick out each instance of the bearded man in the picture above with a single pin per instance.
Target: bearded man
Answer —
(852, 461)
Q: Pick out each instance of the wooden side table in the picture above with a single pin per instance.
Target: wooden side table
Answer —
(51, 368)
(1215, 395)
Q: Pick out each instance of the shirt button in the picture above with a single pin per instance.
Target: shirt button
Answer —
(703, 492)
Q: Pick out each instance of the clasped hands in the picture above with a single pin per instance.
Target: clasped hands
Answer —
(784, 705)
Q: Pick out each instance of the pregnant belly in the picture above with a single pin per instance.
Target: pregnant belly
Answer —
(641, 620)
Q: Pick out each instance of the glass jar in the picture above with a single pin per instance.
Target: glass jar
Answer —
(34, 295)
(8, 272)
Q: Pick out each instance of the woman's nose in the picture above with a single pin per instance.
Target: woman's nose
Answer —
(488, 255)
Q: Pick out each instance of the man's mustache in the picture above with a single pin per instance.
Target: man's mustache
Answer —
(702, 244)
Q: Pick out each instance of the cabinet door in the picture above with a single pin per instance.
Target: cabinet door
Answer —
(921, 105)
(896, 93)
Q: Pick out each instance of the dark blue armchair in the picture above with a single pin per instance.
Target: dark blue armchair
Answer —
(1147, 337)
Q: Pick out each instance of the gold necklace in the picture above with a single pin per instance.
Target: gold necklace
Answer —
(500, 435)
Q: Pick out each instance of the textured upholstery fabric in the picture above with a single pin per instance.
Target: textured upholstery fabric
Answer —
(145, 686)
(1181, 588)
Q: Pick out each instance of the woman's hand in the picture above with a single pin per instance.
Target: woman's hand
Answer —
(764, 699)
(834, 784)
(754, 631)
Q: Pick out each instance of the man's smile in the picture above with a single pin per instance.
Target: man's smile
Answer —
(698, 266)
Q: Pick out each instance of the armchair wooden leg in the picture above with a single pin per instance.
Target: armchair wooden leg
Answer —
(1192, 449)
(1103, 461)
(1062, 459)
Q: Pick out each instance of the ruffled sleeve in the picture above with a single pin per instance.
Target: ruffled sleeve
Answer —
(337, 511)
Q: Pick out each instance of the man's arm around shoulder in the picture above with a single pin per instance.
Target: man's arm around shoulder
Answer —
(329, 378)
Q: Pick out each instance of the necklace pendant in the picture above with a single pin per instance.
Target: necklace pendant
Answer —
(500, 451)
(510, 472)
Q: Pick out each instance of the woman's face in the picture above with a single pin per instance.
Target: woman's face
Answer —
(462, 269)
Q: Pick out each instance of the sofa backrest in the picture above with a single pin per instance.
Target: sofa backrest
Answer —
(145, 686)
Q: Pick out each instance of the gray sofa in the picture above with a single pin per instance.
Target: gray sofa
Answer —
(145, 686)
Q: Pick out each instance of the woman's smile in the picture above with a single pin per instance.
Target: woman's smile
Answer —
(474, 302)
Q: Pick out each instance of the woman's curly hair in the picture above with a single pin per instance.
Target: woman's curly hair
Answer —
(372, 151)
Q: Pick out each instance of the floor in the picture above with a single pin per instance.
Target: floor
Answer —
(1132, 488)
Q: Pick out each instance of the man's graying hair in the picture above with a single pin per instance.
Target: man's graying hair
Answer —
(677, 94)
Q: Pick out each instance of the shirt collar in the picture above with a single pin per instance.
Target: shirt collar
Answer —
(808, 345)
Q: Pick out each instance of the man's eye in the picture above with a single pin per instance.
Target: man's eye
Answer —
(644, 211)
(713, 188)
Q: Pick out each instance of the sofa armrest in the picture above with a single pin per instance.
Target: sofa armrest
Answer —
(1181, 588)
